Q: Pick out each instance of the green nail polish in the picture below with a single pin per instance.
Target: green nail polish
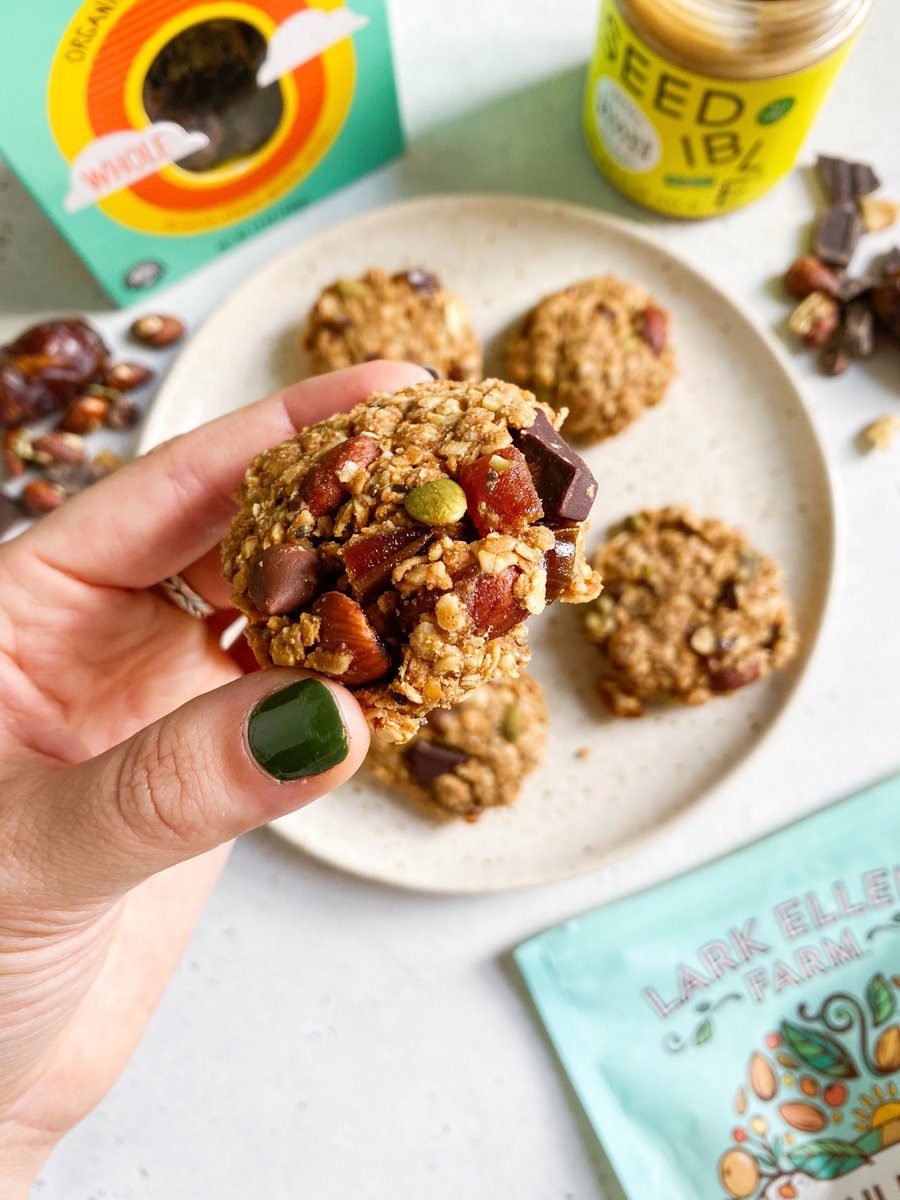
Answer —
(298, 731)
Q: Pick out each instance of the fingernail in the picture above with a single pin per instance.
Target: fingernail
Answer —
(297, 731)
(431, 371)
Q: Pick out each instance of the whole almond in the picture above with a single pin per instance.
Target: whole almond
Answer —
(41, 496)
(58, 446)
(805, 1117)
(123, 413)
(126, 376)
(762, 1077)
(807, 275)
(85, 414)
(157, 330)
(345, 633)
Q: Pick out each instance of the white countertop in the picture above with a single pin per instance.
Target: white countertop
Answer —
(326, 1038)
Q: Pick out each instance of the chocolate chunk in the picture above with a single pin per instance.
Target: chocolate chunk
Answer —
(562, 480)
(890, 264)
(837, 234)
(851, 288)
(560, 562)
(284, 578)
(859, 329)
(844, 180)
(428, 760)
(886, 303)
(9, 513)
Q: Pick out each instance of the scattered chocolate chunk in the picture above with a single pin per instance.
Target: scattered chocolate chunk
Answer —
(890, 264)
(854, 287)
(428, 760)
(844, 180)
(859, 329)
(837, 234)
(562, 480)
(9, 513)
(284, 578)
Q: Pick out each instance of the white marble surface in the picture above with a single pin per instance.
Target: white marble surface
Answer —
(329, 1039)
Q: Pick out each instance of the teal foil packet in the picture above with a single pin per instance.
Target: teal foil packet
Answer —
(736, 1032)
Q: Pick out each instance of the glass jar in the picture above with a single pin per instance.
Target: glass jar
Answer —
(697, 107)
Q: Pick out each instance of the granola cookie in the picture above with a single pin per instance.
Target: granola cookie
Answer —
(690, 610)
(400, 547)
(407, 316)
(473, 757)
(600, 349)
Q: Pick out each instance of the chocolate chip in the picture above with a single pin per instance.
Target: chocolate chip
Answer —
(837, 233)
(890, 264)
(859, 329)
(562, 479)
(421, 281)
(428, 760)
(9, 513)
(844, 180)
(284, 578)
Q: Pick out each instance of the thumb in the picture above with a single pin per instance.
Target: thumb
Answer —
(218, 766)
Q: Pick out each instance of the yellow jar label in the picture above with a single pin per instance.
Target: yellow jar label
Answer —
(692, 145)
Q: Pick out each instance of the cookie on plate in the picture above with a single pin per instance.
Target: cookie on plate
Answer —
(406, 316)
(400, 547)
(599, 348)
(689, 610)
(473, 756)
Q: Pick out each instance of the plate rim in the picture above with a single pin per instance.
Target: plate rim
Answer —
(634, 232)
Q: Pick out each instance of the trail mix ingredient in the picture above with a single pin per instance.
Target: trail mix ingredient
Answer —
(60, 368)
(473, 756)
(689, 610)
(880, 434)
(400, 547)
(408, 315)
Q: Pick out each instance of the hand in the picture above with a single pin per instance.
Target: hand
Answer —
(125, 768)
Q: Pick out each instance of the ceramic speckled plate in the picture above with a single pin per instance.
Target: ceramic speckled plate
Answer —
(732, 439)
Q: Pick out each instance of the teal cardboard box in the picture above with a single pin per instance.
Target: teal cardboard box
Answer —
(156, 134)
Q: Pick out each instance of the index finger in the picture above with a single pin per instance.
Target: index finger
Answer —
(157, 515)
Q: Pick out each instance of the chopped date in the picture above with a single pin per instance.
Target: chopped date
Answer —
(500, 493)
(560, 562)
(371, 558)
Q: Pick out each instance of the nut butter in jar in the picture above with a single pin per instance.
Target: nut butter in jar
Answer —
(696, 107)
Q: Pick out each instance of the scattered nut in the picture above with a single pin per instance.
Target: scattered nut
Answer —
(86, 414)
(59, 446)
(878, 213)
(157, 330)
(834, 360)
(41, 496)
(815, 319)
(126, 376)
(807, 275)
(438, 502)
(880, 434)
(17, 450)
